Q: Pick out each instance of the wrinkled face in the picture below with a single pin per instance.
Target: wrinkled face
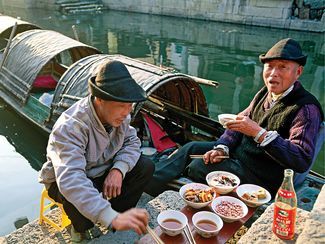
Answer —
(279, 75)
(111, 112)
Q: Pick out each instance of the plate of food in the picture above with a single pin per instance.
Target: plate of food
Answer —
(253, 195)
(197, 195)
(223, 182)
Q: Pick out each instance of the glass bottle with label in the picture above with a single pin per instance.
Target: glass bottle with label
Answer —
(285, 208)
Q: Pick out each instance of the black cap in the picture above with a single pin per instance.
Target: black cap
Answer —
(113, 82)
(287, 49)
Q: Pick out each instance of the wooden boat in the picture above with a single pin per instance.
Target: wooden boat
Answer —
(33, 55)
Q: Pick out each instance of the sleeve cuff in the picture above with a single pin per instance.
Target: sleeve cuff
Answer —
(121, 166)
(269, 137)
(106, 216)
(222, 147)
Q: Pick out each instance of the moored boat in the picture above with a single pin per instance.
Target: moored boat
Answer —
(35, 63)
(7, 24)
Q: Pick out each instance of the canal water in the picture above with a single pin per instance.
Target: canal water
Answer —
(217, 51)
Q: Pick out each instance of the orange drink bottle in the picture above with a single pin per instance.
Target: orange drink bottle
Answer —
(285, 208)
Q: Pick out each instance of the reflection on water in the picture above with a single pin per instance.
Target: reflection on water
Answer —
(20, 190)
(217, 51)
(28, 141)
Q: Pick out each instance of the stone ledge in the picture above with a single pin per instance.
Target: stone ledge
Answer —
(166, 200)
(314, 230)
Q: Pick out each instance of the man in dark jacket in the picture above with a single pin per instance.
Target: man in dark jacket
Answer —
(277, 131)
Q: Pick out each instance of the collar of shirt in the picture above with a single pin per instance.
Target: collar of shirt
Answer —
(274, 98)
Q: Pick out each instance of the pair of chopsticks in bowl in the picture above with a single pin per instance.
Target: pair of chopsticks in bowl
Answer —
(154, 236)
(201, 156)
(157, 239)
(189, 235)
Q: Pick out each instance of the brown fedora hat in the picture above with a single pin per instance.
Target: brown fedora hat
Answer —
(287, 49)
(113, 82)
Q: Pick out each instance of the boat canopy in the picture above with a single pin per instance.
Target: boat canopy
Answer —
(35, 52)
(171, 95)
(6, 25)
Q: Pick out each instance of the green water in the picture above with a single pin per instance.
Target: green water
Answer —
(222, 52)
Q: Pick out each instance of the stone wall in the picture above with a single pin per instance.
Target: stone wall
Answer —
(269, 13)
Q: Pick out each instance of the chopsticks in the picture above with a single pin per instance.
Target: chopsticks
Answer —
(154, 235)
(201, 156)
(189, 235)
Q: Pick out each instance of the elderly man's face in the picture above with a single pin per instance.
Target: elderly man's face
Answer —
(111, 112)
(279, 75)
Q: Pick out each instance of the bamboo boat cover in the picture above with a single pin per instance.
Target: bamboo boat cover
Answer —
(7, 23)
(178, 89)
(29, 52)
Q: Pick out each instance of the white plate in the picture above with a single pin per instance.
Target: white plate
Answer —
(249, 188)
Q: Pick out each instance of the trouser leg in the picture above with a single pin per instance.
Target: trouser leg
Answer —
(133, 185)
(169, 169)
(79, 222)
(132, 188)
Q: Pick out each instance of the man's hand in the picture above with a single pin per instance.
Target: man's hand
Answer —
(244, 125)
(113, 184)
(135, 219)
(212, 156)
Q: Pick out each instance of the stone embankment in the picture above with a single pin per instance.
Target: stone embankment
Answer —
(304, 15)
(310, 226)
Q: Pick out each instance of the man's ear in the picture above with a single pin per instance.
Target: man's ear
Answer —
(300, 70)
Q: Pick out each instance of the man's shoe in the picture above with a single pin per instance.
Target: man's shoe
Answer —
(77, 237)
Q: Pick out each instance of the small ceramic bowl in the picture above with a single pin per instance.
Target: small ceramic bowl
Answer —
(207, 224)
(212, 177)
(148, 151)
(224, 118)
(172, 222)
(195, 186)
(249, 189)
(227, 208)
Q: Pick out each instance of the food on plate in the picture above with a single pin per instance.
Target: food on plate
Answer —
(223, 180)
(255, 196)
(198, 195)
(250, 196)
(261, 193)
(229, 209)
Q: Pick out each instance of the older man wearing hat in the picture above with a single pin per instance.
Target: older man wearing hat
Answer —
(94, 166)
(276, 131)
